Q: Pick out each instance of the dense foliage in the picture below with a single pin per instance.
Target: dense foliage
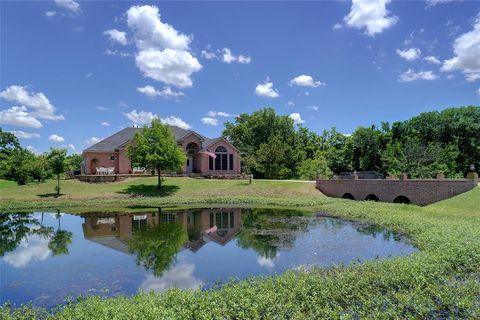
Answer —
(22, 165)
(435, 142)
(155, 148)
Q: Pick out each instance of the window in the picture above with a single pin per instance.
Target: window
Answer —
(210, 163)
(191, 148)
(112, 157)
(230, 161)
(221, 161)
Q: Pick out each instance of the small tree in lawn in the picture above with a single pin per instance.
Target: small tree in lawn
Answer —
(155, 147)
(56, 159)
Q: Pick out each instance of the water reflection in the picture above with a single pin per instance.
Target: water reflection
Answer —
(159, 249)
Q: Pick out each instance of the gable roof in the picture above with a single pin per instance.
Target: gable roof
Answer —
(122, 137)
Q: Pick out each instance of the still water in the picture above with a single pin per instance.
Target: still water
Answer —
(47, 257)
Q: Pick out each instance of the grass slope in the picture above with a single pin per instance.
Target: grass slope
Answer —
(442, 280)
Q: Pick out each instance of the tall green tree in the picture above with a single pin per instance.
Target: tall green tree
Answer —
(56, 158)
(155, 147)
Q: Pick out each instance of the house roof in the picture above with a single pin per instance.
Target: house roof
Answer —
(123, 136)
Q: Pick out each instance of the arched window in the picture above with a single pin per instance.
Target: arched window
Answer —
(191, 148)
(221, 161)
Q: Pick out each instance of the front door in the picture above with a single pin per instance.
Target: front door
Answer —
(189, 164)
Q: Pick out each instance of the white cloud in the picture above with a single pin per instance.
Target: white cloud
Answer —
(266, 90)
(116, 36)
(210, 121)
(175, 121)
(71, 146)
(314, 108)
(163, 52)
(51, 14)
(411, 75)
(89, 75)
(209, 55)
(25, 135)
(92, 141)
(70, 5)
(38, 104)
(478, 91)
(432, 3)
(117, 53)
(305, 81)
(297, 119)
(180, 276)
(228, 57)
(56, 138)
(290, 104)
(143, 118)
(32, 248)
(410, 54)
(432, 59)
(167, 92)
(106, 124)
(466, 50)
(337, 26)
(371, 15)
(32, 149)
(170, 66)
(18, 116)
(212, 113)
(101, 108)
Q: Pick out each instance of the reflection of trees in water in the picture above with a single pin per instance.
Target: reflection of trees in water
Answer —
(156, 246)
(374, 230)
(268, 230)
(16, 226)
(60, 240)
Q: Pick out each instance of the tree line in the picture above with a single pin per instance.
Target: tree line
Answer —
(434, 142)
(22, 165)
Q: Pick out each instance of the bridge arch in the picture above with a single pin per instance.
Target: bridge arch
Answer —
(402, 199)
(372, 197)
(348, 196)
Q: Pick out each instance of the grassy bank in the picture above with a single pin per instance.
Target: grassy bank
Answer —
(442, 280)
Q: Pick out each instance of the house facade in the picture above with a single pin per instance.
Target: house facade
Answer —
(204, 155)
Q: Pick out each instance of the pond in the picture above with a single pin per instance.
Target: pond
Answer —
(47, 257)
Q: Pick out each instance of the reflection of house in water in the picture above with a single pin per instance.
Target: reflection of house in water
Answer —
(202, 225)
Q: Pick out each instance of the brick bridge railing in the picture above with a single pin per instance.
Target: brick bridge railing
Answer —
(416, 191)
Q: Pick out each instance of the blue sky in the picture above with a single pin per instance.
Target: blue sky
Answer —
(73, 72)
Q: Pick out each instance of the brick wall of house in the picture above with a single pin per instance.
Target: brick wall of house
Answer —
(103, 160)
(230, 150)
(418, 191)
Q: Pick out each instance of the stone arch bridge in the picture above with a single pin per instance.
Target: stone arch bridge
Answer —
(416, 191)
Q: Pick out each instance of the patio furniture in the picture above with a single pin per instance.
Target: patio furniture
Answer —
(138, 170)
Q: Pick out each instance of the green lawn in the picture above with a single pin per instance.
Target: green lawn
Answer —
(441, 280)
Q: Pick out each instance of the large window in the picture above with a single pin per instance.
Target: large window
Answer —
(221, 161)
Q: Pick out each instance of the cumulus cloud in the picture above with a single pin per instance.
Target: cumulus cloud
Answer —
(72, 146)
(432, 3)
(25, 135)
(314, 108)
(92, 141)
(32, 248)
(32, 149)
(371, 15)
(180, 276)
(225, 55)
(432, 60)
(121, 54)
(290, 104)
(466, 50)
(19, 117)
(51, 14)
(116, 36)
(410, 54)
(297, 119)
(337, 26)
(35, 104)
(212, 113)
(411, 75)
(143, 118)
(105, 124)
(305, 81)
(163, 52)
(266, 90)
(56, 138)
(167, 92)
(70, 5)
(210, 121)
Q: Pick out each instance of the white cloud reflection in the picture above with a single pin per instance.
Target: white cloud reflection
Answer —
(180, 276)
(31, 249)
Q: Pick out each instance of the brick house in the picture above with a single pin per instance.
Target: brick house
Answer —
(204, 155)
